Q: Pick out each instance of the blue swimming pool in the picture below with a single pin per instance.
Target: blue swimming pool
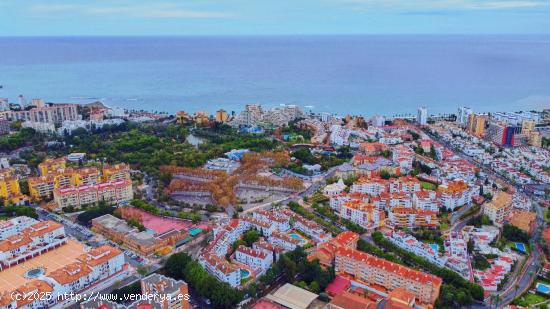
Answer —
(543, 288)
(245, 273)
(435, 247)
(520, 247)
(295, 236)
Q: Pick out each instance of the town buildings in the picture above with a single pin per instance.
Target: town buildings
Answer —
(175, 292)
(44, 260)
(498, 208)
(371, 270)
(77, 187)
(10, 191)
(476, 124)
(117, 192)
(143, 242)
(55, 113)
(463, 115)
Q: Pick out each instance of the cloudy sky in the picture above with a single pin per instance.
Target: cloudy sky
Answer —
(272, 17)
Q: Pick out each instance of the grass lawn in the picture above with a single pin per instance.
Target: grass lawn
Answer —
(528, 299)
(427, 185)
(443, 226)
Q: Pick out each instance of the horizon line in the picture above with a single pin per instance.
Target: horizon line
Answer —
(270, 35)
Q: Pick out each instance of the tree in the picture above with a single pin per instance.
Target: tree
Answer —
(251, 237)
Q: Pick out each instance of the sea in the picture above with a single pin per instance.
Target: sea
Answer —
(388, 75)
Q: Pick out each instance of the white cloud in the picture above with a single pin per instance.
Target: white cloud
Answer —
(156, 10)
(448, 4)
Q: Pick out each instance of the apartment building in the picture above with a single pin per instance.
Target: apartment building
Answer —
(476, 124)
(284, 241)
(117, 192)
(10, 192)
(258, 260)
(364, 214)
(221, 269)
(412, 218)
(372, 270)
(498, 208)
(426, 200)
(326, 252)
(56, 113)
(410, 243)
(454, 194)
(120, 171)
(175, 293)
(37, 239)
(50, 165)
(282, 224)
(14, 226)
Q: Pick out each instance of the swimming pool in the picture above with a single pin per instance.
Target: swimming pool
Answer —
(520, 247)
(245, 273)
(543, 288)
(295, 236)
(435, 247)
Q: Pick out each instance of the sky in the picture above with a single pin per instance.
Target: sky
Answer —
(272, 17)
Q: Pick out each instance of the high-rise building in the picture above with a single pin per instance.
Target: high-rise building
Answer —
(56, 114)
(4, 104)
(503, 134)
(527, 125)
(463, 114)
(422, 116)
(378, 120)
(38, 103)
(222, 116)
(476, 124)
(534, 138)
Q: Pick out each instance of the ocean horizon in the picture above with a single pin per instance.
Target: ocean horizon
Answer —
(348, 74)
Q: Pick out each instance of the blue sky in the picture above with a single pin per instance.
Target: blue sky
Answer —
(268, 17)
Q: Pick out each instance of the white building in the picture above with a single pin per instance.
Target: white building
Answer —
(422, 116)
(334, 188)
(258, 260)
(463, 113)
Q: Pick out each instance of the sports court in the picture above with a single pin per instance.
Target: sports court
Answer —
(14, 277)
(155, 223)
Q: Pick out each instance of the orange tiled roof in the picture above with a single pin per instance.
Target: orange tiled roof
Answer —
(70, 273)
(388, 266)
(99, 255)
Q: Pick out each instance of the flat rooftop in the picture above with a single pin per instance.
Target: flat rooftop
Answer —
(292, 297)
(14, 277)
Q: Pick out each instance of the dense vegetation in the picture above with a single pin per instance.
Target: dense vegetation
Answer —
(25, 137)
(148, 146)
(305, 156)
(513, 233)
(16, 211)
(87, 216)
(294, 267)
